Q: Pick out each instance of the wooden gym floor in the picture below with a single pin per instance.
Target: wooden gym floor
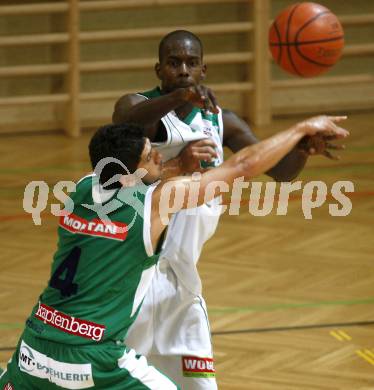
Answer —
(291, 301)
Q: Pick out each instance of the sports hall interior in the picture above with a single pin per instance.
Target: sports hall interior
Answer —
(290, 299)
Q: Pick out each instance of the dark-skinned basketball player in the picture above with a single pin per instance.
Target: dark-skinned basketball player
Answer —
(183, 119)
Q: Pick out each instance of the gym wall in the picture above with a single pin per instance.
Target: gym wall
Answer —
(63, 64)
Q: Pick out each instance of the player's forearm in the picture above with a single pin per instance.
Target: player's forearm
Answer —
(150, 112)
(256, 159)
(289, 167)
(250, 162)
(261, 157)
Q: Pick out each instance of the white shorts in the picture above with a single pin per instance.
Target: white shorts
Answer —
(172, 331)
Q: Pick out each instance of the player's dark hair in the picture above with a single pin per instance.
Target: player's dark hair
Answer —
(124, 142)
(178, 35)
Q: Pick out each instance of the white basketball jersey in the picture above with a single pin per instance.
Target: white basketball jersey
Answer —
(190, 229)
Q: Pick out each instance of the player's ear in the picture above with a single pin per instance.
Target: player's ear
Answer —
(158, 70)
(203, 72)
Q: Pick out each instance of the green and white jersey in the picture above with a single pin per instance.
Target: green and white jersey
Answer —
(102, 267)
(189, 229)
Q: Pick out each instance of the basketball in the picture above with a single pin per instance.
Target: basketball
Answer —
(306, 39)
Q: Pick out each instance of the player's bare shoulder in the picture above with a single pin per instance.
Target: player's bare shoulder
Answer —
(123, 105)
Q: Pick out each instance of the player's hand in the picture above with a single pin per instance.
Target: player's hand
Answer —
(201, 96)
(324, 125)
(320, 145)
(196, 151)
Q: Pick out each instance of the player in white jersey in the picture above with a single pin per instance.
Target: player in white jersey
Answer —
(172, 328)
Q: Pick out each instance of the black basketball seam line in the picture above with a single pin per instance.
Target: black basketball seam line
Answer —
(310, 60)
(287, 36)
(309, 22)
(299, 32)
(280, 38)
(301, 43)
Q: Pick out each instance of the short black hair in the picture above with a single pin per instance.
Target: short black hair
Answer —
(124, 142)
(178, 35)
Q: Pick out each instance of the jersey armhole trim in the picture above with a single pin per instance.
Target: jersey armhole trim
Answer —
(147, 221)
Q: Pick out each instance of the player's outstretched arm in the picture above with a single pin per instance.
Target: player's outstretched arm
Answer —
(148, 112)
(238, 135)
(261, 157)
(183, 192)
(135, 108)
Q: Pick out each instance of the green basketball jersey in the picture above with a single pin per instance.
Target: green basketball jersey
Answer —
(101, 269)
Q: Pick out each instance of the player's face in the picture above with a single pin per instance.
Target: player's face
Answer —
(181, 65)
(151, 161)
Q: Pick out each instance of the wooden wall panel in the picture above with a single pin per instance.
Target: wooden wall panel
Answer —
(120, 31)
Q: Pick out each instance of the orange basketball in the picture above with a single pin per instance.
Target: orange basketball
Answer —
(306, 39)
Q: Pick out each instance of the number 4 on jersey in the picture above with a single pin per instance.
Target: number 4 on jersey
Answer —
(63, 277)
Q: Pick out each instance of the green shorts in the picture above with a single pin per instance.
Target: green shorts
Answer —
(40, 364)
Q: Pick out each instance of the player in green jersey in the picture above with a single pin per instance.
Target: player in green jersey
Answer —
(104, 263)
